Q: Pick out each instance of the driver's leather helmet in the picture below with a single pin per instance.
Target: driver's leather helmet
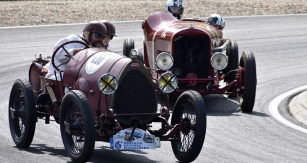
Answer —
(175, 7)
(110, 28)
(94, 27)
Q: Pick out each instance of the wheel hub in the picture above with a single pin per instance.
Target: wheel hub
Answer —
(18, 113)
(185, 126)
(76, 128)
(12, 112)
(67, 127)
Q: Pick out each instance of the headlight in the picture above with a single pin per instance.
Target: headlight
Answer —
(133, 52)
(164, 61)
(107, 83)
(219, 61)
(167, 82)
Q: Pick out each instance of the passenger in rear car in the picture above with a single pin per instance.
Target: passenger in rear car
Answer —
(218, 22)
(175, 8)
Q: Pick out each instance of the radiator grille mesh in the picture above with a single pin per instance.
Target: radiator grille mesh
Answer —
(135, 94)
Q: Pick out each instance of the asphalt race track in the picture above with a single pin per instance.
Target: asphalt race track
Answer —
(279, 44)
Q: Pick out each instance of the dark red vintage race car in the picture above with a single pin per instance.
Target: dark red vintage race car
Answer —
(199, 56)
(105, 96)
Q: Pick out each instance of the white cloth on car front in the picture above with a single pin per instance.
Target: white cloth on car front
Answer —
(61, 58)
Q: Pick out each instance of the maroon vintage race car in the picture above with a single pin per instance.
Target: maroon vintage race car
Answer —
(200, 57)
(105, 96)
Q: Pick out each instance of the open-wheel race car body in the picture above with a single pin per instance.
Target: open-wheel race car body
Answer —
(105, 96)
(202, 58)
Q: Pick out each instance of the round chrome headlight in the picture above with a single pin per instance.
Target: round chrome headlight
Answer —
(219, 61)
(133, 52)
(164, 61)
(168, 82)
(107, 83)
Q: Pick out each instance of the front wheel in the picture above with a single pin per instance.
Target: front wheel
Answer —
(247, 99)
(233, 62)
(77, 126)
(22, 114)
(190, 112)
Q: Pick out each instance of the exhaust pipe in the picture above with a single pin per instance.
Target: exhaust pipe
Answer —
(51, 93)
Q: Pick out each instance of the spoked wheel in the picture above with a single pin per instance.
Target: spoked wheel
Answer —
(247, 99)
(22, 115)
(128, 46)
(77, 126)
(190, 112)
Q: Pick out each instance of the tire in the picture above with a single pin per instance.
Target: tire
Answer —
(128, 46)
(77, 126)
(233, 62)
(189, 108)
(22, 114)
(247, 99)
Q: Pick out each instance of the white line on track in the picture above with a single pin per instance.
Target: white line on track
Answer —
(273, 108)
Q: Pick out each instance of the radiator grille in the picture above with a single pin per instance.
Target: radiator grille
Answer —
(191, 54)
(135, 94)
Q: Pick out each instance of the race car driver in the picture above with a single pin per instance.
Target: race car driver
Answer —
(175, 8)
(93, 35)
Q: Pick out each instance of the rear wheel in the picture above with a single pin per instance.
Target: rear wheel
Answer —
(77, 126)
(128, 46)
(247, 99)
(190, 112)
(22, 115)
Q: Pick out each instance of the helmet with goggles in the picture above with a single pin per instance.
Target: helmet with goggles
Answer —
(110, 28)
(175, 7)
(217, 21)
(94, 27)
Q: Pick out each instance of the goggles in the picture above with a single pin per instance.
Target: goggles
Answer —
(110, 37)
(99, 35)
(176, 10)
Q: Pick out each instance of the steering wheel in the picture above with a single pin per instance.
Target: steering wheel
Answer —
(68, 55)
